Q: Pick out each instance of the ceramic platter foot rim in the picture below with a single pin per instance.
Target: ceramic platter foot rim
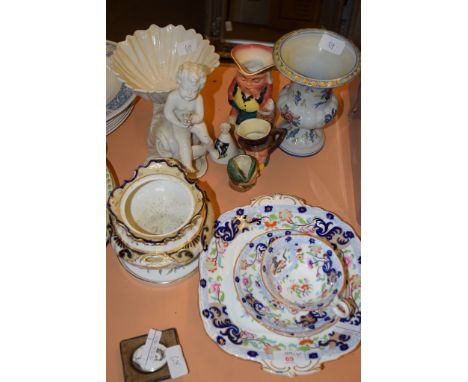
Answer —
(291, 371)
(223, 316)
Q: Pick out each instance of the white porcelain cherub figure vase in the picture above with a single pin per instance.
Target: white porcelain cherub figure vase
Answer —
(184, 110)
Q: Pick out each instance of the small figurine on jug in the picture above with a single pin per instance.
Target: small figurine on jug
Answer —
(184, 110)
(250, 93)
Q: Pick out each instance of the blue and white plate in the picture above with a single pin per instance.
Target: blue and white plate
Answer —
(118, 96)
(224, 317)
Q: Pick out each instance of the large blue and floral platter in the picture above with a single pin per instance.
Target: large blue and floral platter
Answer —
(237, 332)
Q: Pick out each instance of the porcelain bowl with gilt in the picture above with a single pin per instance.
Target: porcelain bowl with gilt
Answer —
(160, 217)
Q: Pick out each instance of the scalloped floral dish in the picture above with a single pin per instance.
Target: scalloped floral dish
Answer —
(237, 332)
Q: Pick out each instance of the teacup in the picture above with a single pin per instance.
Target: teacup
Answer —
(304, 272)
(256, 137)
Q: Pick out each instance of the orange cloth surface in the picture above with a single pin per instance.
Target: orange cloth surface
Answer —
(133, 307)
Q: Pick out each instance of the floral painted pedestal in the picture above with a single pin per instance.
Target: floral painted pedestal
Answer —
(305, 110)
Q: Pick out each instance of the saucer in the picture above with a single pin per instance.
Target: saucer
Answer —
(262, 305)
(224, 317)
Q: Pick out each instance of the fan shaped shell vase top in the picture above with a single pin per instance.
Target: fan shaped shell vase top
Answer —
(148, 62)
(316, 61)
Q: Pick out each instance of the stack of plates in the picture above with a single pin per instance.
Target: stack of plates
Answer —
(119, 98)
(161, 221)
(280, 285)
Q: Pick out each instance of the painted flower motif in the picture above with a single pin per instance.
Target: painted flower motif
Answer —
(302, 209)
(220, 340)
(206, 313)
(240, 212)
(215, 287)
(270, 224)
(269, 349)
(246, 335)
(252, 353)
(285, 215)
(203, 283)
(297, 97)
(288, 116)
(329, 117)
(211, 264)
(268, 208)
(305, 342)
(347, 260)
(330, 216)
(245, 281)
(313, 355)
(310, 264)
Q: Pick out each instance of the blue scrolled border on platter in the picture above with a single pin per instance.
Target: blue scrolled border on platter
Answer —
(334, 343)
(124, 97)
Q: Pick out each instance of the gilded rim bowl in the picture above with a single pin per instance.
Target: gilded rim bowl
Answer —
(304, 57)
(147, 61)
(159, 204)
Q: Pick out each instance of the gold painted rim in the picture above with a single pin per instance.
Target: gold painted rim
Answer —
(158, 166)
